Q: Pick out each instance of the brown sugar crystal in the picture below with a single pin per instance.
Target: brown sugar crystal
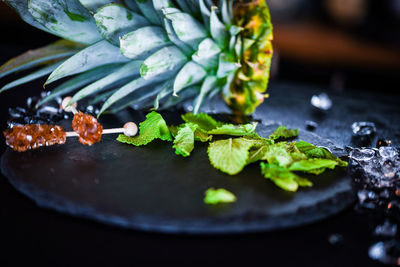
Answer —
(25, 137)
(87, 127)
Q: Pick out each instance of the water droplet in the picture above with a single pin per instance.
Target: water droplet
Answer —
(335, 239)
(363, 128)
(321, 101)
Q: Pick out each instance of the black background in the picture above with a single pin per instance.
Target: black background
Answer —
(30, 235)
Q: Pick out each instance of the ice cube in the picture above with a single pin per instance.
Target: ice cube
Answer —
(321, 101)
(362, 154)
(388, 152)
(363, 128)
(386, 229)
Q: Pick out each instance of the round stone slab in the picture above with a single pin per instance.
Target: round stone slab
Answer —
(152, 189)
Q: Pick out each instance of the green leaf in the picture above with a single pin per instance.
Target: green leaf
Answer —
(124, 91)
(209, 84)
(234, 130)
(283, 178)
(96, 55)
(30, 77)
(114, 21)
(65, 18)
(207, 54)
(230, 155)
(315, 165)
(204, 121)
(312, 151)
(187, 28)
(129, 70)
(79, 81)
(217, 196)
(218, 29)
(284, 133)
(143, 42)
(282, 154)
(191, 74)
(154, 127)
(33, 58)
(184, 139)
(163, 64)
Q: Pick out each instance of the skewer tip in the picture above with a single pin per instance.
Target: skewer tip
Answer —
(130, 129)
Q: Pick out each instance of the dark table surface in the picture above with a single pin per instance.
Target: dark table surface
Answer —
(29, 234)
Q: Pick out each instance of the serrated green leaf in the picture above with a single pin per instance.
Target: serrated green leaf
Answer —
(217, 196)
(204, 121)
(190, 74)
(234, 130)
(187, 28)
(67, 19)
(99, 54)
(143, 42)
(230, 155)
(33, 58)
(283, 178)
(184, 139)
(314, 165)
(312, 151)
(114, 21)
(154, 127)
(163, 64)
(129, 70)
(282, 132)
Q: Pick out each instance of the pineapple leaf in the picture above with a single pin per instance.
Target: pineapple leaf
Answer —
(21, 7)
(67, 19)
(191, 74)
(147, 9)
(218, 29)
(30, 77)
(226, 9)
(207, 54)
(94, 5)
(129, 70)
(209, 84)
(188, 29)
(124, 91)
(184, 6)
(163, 64)
(143, 42)
(114, 21)
(206, 13)
(131, 4)
(225, 67)
(79, 81)
(33, 58)
(166, 91)
(175, 39)
(96, 55)
(186, 94)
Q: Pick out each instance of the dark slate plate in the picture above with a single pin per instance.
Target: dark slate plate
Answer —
(152, 189)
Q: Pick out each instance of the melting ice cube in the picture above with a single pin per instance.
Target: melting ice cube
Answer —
(321, 101)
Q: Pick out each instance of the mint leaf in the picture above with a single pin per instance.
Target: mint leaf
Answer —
(315, 166)
(312, 151)
(283, 154)
(216, 196)
(204, 121)
(230, 155)
(184, 140)
(283, 178)
(282, 132)
(202, 136)
(234, 130)
(154, 127)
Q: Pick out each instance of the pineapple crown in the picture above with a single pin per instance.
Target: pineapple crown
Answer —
(151, 53)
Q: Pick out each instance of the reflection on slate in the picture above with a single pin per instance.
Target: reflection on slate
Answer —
(150, 188)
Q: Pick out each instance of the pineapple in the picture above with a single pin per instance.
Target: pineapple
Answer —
(157, 53)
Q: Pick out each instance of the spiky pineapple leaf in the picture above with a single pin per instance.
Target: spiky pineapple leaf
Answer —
(207, 54)
(173, 37)
(209, 84)
(131, 4)
(129, 70)
(190, 74)
(33, 58)
(143, 42)
(30, 77)
(114, 21)
(94, 5)
(124, 91)
(101, 53)
(163, 64)
(79, 81)
(65, 18)
(147, 9)
(218, 29)
(187, 28)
